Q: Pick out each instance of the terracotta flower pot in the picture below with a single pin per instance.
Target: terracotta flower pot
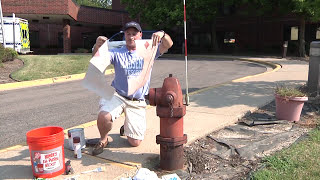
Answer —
(289, 108)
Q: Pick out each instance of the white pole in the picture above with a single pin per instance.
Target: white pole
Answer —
(2, 27)
(14, 31)
(185, 52)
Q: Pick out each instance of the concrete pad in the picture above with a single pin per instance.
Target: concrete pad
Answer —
(16, 164)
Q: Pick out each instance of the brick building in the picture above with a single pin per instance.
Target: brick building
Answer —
(254, 35)
(58, 26)
(265, 34)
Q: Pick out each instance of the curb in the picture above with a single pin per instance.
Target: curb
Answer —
(25, 84)
(275, 67)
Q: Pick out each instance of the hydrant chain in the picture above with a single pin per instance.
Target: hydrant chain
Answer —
(171, 110)
(170, 100)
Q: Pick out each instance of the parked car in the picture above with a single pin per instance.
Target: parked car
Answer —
(117, 40)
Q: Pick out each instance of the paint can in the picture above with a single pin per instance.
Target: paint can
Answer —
(77, 132)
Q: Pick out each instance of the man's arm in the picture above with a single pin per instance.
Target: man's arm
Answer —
(100, 40)
(164, 38)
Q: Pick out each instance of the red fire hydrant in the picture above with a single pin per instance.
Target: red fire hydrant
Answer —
(170, 109)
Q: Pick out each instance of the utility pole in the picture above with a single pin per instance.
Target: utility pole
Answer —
(185, 51)
(2, 35)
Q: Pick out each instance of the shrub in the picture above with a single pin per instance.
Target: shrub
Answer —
(1, 50)
(7, 54)
(81, 50)
(2, 53)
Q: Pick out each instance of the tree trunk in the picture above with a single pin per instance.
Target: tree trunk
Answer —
(302, 47)
(214, 42)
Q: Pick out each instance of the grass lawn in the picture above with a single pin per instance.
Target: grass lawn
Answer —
(300, 161)
(48, 66)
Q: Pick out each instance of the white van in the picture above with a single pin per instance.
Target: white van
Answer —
(17, 34)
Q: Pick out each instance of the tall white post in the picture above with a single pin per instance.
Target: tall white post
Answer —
(2, 27)
(185, 51)
(14, 31)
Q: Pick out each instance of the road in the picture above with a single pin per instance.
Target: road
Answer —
(68, 104)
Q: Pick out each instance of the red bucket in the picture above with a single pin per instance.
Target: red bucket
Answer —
(46, 151)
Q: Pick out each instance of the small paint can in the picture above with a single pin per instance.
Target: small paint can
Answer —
(77, 132)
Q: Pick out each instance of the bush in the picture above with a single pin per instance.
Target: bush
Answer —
(2, 54)
(7, 54)
(81, 50)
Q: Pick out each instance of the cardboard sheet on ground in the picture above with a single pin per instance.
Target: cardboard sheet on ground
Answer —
(95, 81)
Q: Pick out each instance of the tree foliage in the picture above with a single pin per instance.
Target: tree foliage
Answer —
(157, 14)
(309, 9)
(305, 10)
(95, 3)
(169, 13)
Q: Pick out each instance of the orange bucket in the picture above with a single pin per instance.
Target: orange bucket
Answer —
(46, 151)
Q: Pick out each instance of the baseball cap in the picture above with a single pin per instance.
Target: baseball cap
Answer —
(133, 25)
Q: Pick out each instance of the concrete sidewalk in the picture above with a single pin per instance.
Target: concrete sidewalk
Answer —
(210, 109)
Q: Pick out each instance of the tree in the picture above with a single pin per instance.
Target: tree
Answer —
(169, 13)
(157, 14)
(96, 3)
(305, 10)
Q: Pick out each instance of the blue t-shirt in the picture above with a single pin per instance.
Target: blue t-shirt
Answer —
(127, 65)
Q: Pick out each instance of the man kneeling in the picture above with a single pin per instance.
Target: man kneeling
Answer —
(133, 105)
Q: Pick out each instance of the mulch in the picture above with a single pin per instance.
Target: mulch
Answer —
(8, 68)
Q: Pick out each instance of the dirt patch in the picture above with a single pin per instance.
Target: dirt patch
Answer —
(203, 162)
(8, 68)
(215, 156)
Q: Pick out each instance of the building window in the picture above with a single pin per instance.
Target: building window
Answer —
(318, 33)
(294, 33)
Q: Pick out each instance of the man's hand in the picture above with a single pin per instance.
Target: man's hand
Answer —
(157, 36)
(100, 40)
(165, 39)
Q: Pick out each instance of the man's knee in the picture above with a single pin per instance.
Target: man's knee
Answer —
(134, 142)
(104, 117)
(104, 120)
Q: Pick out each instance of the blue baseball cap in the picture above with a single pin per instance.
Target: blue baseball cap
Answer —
(132, 24)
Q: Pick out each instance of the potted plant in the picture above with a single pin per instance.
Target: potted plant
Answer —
(289, 102)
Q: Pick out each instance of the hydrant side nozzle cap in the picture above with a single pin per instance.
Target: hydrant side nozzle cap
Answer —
(169, 98)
